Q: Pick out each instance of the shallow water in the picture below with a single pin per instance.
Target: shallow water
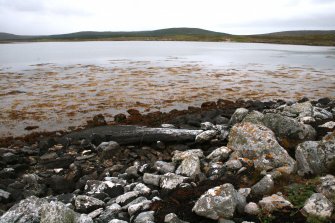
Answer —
(56, 85)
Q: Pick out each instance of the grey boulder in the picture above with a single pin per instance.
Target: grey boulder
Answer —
(318, 205)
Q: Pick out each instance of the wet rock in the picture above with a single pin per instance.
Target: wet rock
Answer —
(86, 204)
(318, 205)
(56, 212)
(263, 187)
(219, 154)
(252, 209)
(170, 181)
(27, 211)
(165, 167)
(300, 109)
(4, 195)
(274, 203)
(151, 179)
(127, 197)
(173, 218)
(206, 136)
(189, 167)
(258, 144)
(145, 217)
(96, 187)
(289, 131)
(327, 187)
(254, 117)
(106, 150)
(238, 116)
(181, 155)
(321, 114)
(218, 202)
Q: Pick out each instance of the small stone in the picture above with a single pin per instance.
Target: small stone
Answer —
(127, 197)
(219, 154)
(238, 116)
(86, 204)
(252, 209)
(173, 218)
(96, 187)
(142, 189)
(318, 205)
(245, 192)
(142, 206)
(330, 126)
(165, 167)
(233, 165)
(4, 195)
(274, 203)
(263, 187)
(171, 181)
(180, 156)
(145, 217)
(120, 118)
(207, 126)
(205, 136)
(106, 150)
(151, 179)
(189, 167)
(132, 171)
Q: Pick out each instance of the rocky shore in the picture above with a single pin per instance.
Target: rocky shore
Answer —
(243, 161)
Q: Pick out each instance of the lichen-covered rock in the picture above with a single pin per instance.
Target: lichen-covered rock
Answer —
(27, 211)
(56, 212)
(171, 181)
(318, 205)
(258, 144)
(316, 157)
(165, 167)
(220, 154)
(206, 136)
(300, 109)
(274, 203)
(173, 218)
(218, 202)
(86, 204)
(288, 131)
(238, 116)
(263, 187)
(254, 117)
(181, 155)
(189, 167)
(327, 187)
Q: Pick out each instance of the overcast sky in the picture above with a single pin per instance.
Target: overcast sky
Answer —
(32, 17)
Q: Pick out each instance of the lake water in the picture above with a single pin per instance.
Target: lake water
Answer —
(55, 85)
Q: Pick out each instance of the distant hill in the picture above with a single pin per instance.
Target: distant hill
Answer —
(305, 37)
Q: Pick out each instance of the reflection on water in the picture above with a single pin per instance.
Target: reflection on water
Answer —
(55, 96)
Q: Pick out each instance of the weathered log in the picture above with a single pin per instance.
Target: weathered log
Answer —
(127, 134)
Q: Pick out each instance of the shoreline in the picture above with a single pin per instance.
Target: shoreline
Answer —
(184, 166)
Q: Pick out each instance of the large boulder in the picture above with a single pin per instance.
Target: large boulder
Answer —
(27, 211)
(218, 202)
(258, 144)
(314, 158)
(318, 205)
(288, 131)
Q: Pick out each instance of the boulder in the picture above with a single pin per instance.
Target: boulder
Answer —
(327, 187)
(27, 211)
(258, 144)
(288, 131)
(254, 117)
(318, 205)
(57, 212)
(274, 203)
(218, 202)
(189, 167)
(238, 116)
(315, 158)
(86, 204)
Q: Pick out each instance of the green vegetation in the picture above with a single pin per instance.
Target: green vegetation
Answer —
(297, 194)
(320, 38)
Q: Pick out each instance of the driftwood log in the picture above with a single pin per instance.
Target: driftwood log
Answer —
(127, 134)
